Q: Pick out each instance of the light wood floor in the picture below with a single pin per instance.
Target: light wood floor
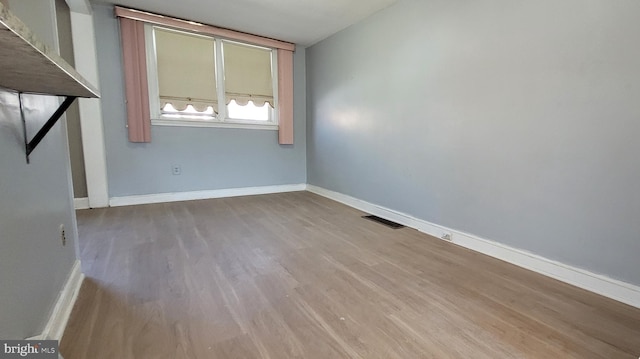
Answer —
(299, 276)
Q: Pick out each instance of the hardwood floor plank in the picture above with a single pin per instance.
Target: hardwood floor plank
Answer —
(241, 347)
(296, 275)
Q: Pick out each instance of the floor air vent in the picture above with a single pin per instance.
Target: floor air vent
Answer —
(386, 222)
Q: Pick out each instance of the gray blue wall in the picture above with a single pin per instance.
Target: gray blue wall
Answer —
(34, 200)
(211, 158)
(516, 121)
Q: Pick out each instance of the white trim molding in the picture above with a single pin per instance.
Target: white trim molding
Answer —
(81, 6)
(197, 195)
(621, 291)
(93, 145)
(81, 203)
(54, 329)
(216, 124)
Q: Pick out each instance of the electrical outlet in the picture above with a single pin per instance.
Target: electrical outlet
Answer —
(176, 170)
(63, 235)
(446, 236)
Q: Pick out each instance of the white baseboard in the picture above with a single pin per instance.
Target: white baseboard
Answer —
(54, 329)
(81, 203)
(600, 284)
(196, 195)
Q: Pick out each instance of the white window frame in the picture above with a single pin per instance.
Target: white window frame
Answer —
(221, 120)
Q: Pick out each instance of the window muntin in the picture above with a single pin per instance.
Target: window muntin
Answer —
(191, 75)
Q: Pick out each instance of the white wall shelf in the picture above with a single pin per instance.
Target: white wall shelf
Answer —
(29, 66)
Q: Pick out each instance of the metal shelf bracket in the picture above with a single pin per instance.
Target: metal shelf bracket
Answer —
(31, 145)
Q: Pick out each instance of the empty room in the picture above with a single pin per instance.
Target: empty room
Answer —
(319, 179)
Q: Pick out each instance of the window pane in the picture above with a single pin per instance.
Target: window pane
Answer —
(186, 70)
(248, 111)
(248, 81)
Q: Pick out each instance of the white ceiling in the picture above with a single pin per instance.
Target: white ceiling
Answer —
(303, 22)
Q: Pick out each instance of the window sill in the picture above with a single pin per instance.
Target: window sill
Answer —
(215, 124)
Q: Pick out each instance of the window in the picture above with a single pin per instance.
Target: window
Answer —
(201, 80)
(184, 82)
